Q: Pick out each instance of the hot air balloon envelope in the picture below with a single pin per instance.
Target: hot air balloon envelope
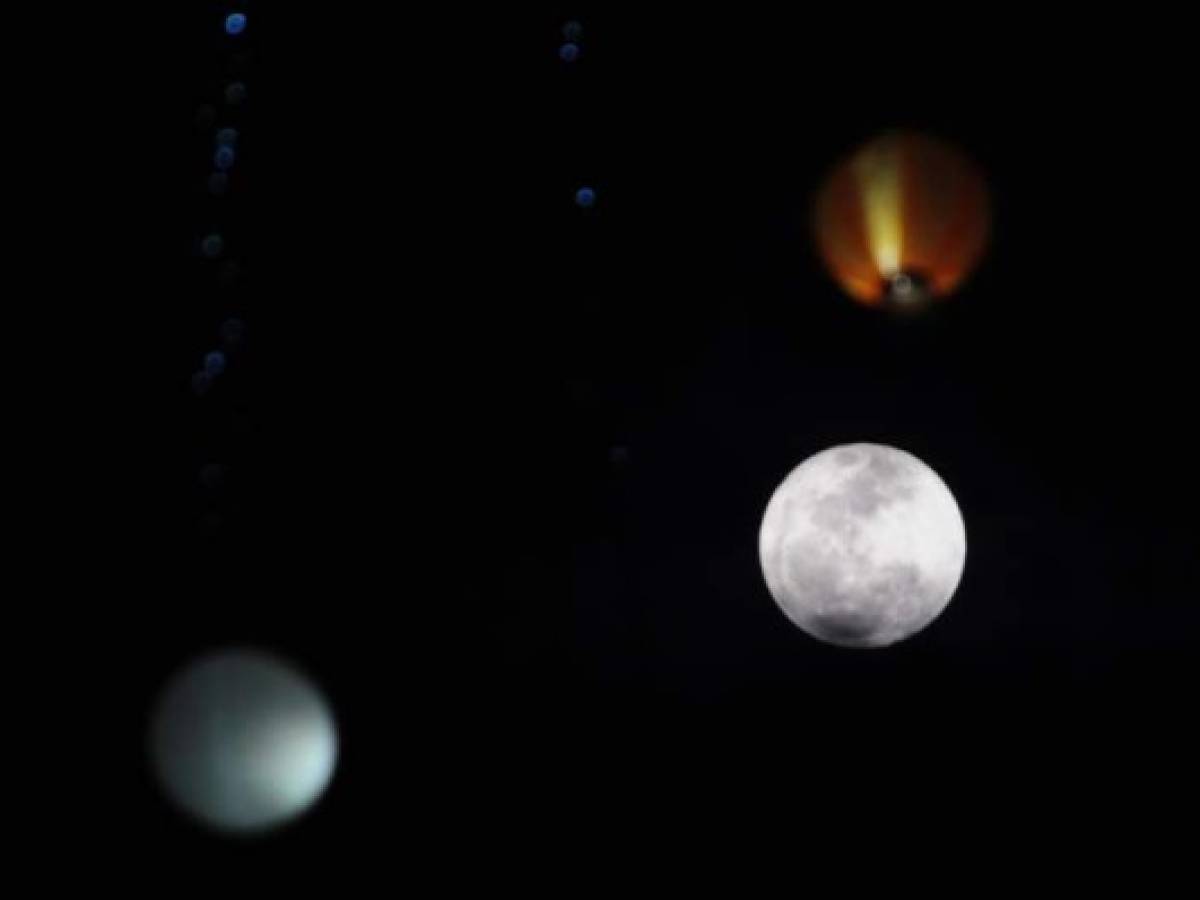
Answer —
(904, 218)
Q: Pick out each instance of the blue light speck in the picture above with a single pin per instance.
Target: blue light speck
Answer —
(214, 362)
(212, 246)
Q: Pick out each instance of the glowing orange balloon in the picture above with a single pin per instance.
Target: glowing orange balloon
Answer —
(905, 217)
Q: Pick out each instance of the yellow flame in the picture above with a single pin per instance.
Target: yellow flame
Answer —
(877, 169)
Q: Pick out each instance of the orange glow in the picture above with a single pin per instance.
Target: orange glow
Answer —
(905, 209)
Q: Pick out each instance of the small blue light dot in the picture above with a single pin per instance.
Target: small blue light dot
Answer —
(568, 52)
(227, 137)
(212, 246)
(235, 93)
(214, 363)
(585, 197)
(235, 23)
(573, 30)
(224, 158)
(218, 183)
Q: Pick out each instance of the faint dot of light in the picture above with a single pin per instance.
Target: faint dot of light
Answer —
(214, 362)
(212, 246)
(201, 382)
(229, 273)
(224, 158)
(585, 197)
(239, 61)
(619, 455)
(210, 523)
(227, 137)
(218, 183)
(573, 30)
(568, 52)
(235, 93)
(235, 23)
(205, 116)
(212, 475)
(233, 332)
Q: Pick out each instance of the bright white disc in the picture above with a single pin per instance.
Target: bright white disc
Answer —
(243, 741)
(862, 545)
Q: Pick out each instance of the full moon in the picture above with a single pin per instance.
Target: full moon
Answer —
(862, 545)
(242, 741)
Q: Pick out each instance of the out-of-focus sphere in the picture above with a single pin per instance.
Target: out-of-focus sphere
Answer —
(242, 741)
(212, 476)
(233, 332)
(235, 93)
(214, 362)
(201, 382)
(235, 23)
(218, 184)
(229, 273)
(206, 115)
(862, 545)
(585, 198)
(224, 157)
(212, 246)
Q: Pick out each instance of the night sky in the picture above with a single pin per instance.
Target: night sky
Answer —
(494, 464)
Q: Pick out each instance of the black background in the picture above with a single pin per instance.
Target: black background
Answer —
(496, 464)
